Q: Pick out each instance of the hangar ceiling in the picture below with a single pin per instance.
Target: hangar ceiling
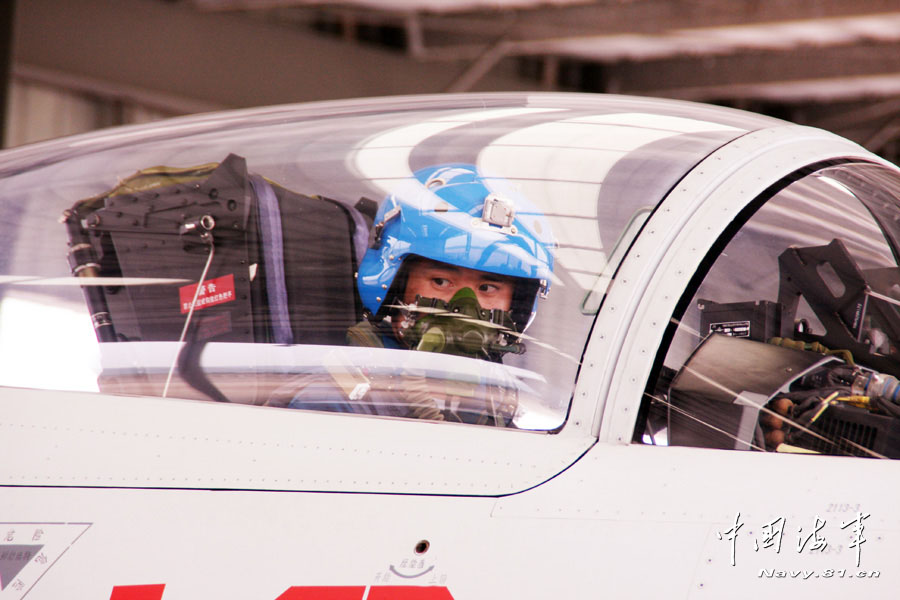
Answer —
(828, 63)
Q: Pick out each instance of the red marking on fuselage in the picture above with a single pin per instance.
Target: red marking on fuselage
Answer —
(138, 592)
(313, 592)
(323, 593)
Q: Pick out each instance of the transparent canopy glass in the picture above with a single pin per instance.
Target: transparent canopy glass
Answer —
(215, 257)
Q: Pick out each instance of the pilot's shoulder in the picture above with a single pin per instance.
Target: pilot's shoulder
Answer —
(363, 334)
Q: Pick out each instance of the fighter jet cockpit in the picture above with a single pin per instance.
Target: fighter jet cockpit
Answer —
(347, 286)
(788, 339)
(451, 262)
(443, 262)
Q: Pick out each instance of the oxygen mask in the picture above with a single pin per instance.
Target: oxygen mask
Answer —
(460, 327)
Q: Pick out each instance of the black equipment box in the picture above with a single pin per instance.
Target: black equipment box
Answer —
(758, 321)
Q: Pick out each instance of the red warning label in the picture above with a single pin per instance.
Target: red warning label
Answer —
(212, 292)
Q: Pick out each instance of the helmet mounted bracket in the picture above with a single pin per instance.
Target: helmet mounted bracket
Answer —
(378, 229)
(499, 212)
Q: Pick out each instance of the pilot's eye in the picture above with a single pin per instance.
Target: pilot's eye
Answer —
(489, 288)
(440, 282)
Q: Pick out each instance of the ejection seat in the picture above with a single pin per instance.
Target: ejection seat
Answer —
(273, 266)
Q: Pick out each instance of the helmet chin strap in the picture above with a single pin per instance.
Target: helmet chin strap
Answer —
(460, 327)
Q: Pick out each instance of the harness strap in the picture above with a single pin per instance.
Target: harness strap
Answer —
(273, 259)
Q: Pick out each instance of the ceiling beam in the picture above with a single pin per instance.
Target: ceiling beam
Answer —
(601, 17)
(870, 59)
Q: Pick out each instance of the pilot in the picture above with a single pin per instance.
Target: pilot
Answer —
(456, 264)
(452, 238)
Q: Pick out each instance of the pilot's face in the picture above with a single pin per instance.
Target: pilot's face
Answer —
(431, 279)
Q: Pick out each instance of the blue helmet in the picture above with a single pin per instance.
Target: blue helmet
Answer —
(452, 214)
